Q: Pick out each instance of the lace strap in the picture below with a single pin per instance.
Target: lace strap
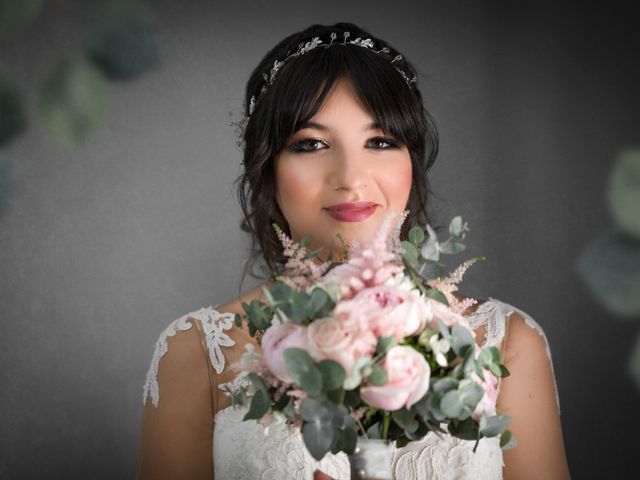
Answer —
(212, 325)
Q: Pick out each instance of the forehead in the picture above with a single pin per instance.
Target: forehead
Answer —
(342, 104)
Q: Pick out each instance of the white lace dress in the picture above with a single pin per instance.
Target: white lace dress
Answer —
(245, 450)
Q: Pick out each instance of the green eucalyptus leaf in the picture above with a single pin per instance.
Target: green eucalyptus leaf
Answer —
(281, 292)
(471, 394)
(431, 269)
(455, 226)
(461, 338)
(333, 374)
(430, 249)
(405, 420)
(374, 430)
(624, 192)
(512, 441)
(258, 383)
(493, 425)
(436, 295)
(451, 404)
(73, 101)
(610, 266)
(320, 303)
(259, 406)
(13, 119)
(416, 235)
(378, 375)
(402, 441)
(410, 251)
(122, 39)
(318, 438)
(303, 370)
(466, 429)
(312, 410)
(505, 437)
(385, 344)
(452, 246)
(445, 384)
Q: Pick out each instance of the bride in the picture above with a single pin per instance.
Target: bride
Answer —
(335, 137)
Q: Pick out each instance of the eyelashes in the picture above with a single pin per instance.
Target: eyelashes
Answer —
(309, 145)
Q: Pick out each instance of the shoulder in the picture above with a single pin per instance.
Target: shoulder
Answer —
(178, 349)
(199, 344)
(527, 356)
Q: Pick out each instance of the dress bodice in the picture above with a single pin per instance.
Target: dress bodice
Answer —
(247, 450)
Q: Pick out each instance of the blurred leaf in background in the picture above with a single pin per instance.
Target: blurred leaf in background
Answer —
(13, 119)
(123, 39)
(624, 193)
(16, 14)
(72, 101)
(610, 264)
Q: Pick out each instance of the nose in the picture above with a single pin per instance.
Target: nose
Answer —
(348, 172)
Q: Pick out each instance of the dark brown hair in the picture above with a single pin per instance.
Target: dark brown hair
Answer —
(297, 93)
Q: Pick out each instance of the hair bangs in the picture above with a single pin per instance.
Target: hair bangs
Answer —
(380, 88)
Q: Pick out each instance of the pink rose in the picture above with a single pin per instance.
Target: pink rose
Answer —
(441, 311)
(407, 380)
(386, 310)
(327, 340)
(487, 404)
(275, 340)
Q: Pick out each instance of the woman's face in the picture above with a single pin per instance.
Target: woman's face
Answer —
(340, 173)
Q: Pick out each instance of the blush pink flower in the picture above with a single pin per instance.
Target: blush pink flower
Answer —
(441, 311)
(327, 340)
(275, 340)
(408, 376)
(487, 404)
(385, 310)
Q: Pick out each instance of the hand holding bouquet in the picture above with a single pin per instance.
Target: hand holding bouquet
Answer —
(371, 346)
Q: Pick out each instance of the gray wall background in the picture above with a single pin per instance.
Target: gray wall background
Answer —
(102, 247)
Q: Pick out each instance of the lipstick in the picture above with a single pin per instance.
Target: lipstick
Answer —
(351, 211)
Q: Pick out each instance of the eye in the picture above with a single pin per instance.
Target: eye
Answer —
(307, 145)
(380, 142)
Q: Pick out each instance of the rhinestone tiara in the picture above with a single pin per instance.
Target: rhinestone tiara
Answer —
(315, 42)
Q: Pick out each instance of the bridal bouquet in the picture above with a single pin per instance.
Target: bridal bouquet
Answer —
(371, 346)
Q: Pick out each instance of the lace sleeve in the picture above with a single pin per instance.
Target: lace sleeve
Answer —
(213, 324)
(176, 439)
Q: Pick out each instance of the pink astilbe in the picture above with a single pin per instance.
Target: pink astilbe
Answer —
(447, 285)
(371, 264)
(299, 272)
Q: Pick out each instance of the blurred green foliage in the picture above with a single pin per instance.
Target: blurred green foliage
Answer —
(122, 40)
(72, 101)
(610, 264)
(121, 43)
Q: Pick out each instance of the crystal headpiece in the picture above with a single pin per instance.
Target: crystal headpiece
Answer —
(316, 42)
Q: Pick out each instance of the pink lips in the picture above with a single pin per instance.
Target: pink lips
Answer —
(351, 211)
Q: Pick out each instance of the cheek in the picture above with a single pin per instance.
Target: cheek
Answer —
(296, 182)
(395, 180)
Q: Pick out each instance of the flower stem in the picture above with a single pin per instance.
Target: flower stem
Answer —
(364, 432)
(385, 425)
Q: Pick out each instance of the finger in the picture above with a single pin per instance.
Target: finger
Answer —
(318, 475)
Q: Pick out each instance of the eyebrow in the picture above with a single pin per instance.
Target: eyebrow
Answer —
(324, 128)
